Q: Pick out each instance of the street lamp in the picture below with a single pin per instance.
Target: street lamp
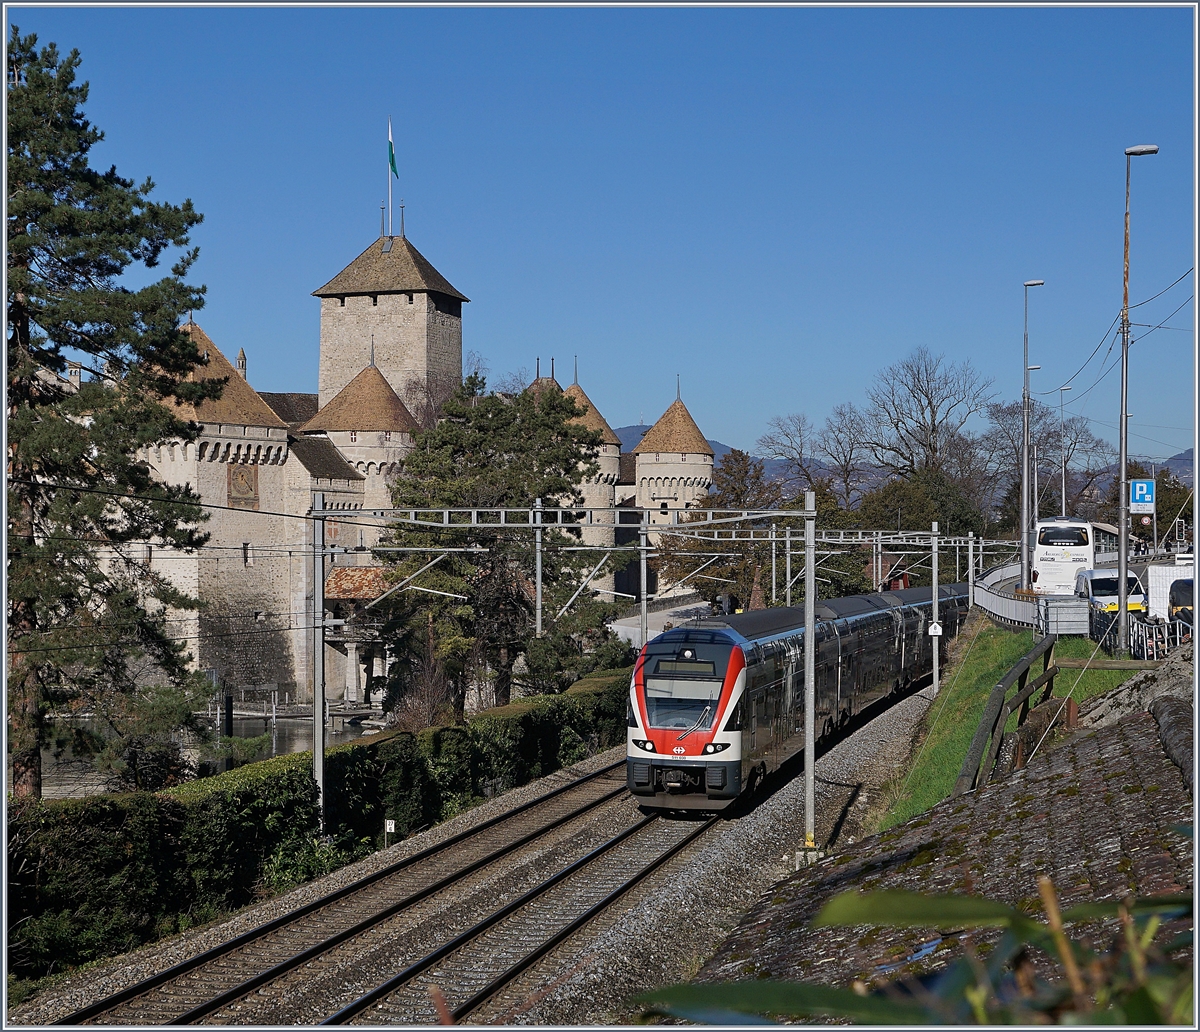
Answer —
(1062, 442)
(1123, 499)
(1025, 582)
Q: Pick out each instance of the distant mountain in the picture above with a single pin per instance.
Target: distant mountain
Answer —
(631, 435)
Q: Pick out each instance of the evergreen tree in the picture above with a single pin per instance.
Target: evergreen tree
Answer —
(85, 623)
(489, 451)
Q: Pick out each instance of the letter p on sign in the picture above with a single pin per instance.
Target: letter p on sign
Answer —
(1141, 496)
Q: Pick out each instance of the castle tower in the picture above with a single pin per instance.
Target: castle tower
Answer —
(674, 464)
(392, 302)
(599, 490)
(372, 429)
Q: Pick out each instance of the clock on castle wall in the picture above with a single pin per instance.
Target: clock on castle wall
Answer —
(243, 486)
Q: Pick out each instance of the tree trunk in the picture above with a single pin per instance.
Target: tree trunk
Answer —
(503, 678)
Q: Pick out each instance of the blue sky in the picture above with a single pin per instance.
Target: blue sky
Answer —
(773, 203)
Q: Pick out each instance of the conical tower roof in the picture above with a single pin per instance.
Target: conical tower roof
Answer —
(239, 403)
(366, 403)
(591, 417)
(391, 265)
(543, 384)
(675, 431)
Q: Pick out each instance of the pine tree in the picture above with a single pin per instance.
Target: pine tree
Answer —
(489, 451)
(85, 624)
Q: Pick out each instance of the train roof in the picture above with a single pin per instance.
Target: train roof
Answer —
(768, 623)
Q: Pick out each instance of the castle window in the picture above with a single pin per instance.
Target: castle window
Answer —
(341, 302)
(387, 435)
(663, 507)
(408, 298)
(374, 300)
(683, 458)
(247, 554)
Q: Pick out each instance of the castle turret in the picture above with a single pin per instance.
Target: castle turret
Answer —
(599, 490)
(674, 463)
(390, 302)
(372, 428)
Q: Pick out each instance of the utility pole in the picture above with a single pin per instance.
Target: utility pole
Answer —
(810, 671)
(787, 565)
(1123, 500)
(1026, 583)
(934, 626)
(643, 537)
(970, 568)
(537, 539)
(318, 571)
(773, 590)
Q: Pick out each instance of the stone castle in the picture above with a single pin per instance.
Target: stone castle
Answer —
(390, 350)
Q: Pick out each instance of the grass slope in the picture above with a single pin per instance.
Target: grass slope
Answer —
(980, 656)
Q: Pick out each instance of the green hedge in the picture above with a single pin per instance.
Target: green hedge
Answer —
(91, 878)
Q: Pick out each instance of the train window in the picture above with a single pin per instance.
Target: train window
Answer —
(736, 718)
(709, 652)
(1073, 536)
(630, 719)
(685, 666)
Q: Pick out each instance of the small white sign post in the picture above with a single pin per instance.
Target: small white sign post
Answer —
(935, 630)
(389, 828)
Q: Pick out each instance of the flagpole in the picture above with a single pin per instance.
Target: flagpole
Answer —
(389, 175)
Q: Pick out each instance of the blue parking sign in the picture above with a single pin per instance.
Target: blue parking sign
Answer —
(1141, 496)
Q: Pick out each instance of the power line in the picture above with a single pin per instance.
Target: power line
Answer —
(1116, 319)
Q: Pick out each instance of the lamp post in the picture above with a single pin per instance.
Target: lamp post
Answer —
(1062, 442)
(1025, 582)
(1123, 499)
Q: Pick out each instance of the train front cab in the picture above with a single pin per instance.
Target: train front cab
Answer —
(685, 722)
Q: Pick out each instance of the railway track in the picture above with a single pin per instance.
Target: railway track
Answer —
(201, 986)
(474, 965)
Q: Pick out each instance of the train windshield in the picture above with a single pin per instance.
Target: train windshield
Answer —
(683, 679)
(682, 703)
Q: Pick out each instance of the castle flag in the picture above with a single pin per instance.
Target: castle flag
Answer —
(392, 151)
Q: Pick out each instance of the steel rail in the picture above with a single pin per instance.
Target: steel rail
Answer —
(366, 924)
(563, 934)
(396, 981)
(199, 960)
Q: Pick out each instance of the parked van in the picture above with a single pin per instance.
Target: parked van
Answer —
(1101, 588)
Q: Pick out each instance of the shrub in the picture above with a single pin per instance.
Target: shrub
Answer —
(91, 878)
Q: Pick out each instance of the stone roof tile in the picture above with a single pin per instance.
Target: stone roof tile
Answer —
(292, 408)
(366, 403)
(322, 460)
(399, 269)
(591, 417)
(355, 583)
(675, 431)
(239, 403)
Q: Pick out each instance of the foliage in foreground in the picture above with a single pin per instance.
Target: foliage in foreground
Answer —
(1132, 982)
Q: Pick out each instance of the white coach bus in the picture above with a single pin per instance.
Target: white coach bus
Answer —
(1063, 546)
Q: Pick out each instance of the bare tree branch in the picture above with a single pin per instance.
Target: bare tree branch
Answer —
(917, 406)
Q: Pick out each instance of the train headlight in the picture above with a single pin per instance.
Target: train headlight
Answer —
(642, 744)
(713, 747)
